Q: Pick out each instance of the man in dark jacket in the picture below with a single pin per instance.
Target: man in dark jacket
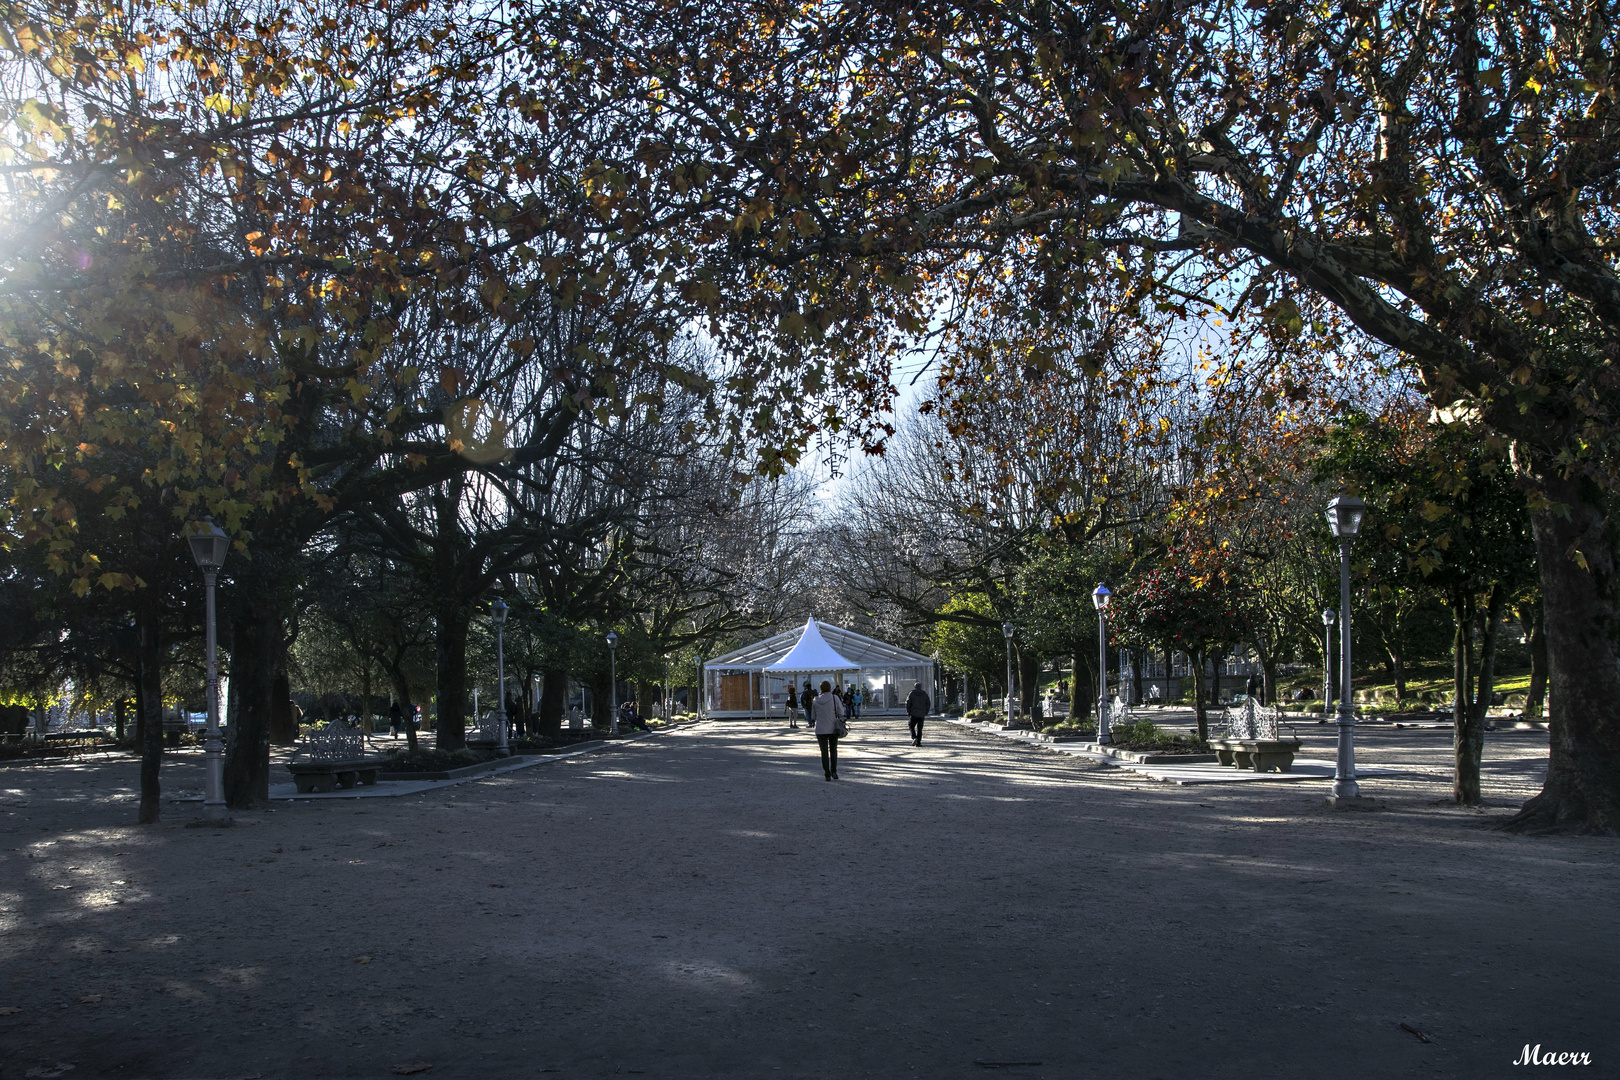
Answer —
(917, 707)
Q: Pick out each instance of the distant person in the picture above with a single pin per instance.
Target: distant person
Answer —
(396, 719)
(857, 698)
(793, 707)
(825, 713)
(1253, 688)
(917, 707)
(807, 697)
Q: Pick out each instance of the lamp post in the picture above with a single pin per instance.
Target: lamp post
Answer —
(209, 545)
(1344, 515)
(1100, 597)
(1007, 631)
(497, 615)
(1328, 617)
(613, 674)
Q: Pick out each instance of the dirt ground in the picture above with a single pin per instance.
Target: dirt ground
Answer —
(702, 903)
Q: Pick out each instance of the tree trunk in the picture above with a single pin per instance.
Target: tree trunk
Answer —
(1138, 673)
(149, 706)
(1029, 678)
(1487, 655)
(1467, 735)
(450, 652)
(283, 720)
(1467, 738)
(553, 689)
(1197, 666)
(257, 648)
(1535, 639)
(119, 708)
(602, 702)
(1582, 620)
(1397, 667)
(1081, 691)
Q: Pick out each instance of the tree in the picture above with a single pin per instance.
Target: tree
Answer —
(1174, 606)
(1436, 179)
(968, 638)
(1446, 517)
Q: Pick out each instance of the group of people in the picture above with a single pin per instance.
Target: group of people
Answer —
(825, 714)
(851, 698)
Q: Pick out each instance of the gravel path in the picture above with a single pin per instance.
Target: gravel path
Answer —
(704, 904)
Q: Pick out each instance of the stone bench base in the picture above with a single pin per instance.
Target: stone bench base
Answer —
(314, 776)
(1260, 755)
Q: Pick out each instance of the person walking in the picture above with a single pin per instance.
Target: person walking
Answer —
(825, 713)
(917, 707)
(856, 700)
(395, 719)
(792, 707)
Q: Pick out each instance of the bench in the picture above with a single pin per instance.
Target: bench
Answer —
(1260, 755)
(334, 758)
(1252, 739)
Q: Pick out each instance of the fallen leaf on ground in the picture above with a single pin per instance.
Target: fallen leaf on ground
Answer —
(362, 959)
(354, 862)
(412, 1067)
(45, 1072)
(121, 881)
(1421, 1037)
(9, 1010)
(90, 999)
(61, 886)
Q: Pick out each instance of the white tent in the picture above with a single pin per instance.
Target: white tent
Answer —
(812, 654)
(752, 681)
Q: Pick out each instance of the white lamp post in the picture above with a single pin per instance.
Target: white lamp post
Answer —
(1344, 515)
(497, 615)
(613, 673)
(1007, 631)
(1328, 618)
(1100, 597)
(209, 545)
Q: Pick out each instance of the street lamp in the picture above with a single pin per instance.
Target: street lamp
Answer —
(1100, 597)
(497, 615)
(1344, 515)
(1008, 630)
(209, 545)
(1328, 617)
(613, 674)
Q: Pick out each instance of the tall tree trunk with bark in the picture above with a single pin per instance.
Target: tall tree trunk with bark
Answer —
(450, 652)
(1029, 677)
(1197, 665)
(283, 720)
(257, 653)
(553, 688)
(1582, 619)
(1467, 737)
(1487, 656)
(1535, 640)
(149, 706)
(1082, 691)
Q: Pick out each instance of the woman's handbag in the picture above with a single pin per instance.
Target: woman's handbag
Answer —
(841, 728)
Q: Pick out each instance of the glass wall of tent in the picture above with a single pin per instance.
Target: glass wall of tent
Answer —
(756, 692)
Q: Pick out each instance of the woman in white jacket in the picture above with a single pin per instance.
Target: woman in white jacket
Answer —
(825, 713)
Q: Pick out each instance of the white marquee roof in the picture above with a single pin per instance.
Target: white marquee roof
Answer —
(795, 650)
(812, 653)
